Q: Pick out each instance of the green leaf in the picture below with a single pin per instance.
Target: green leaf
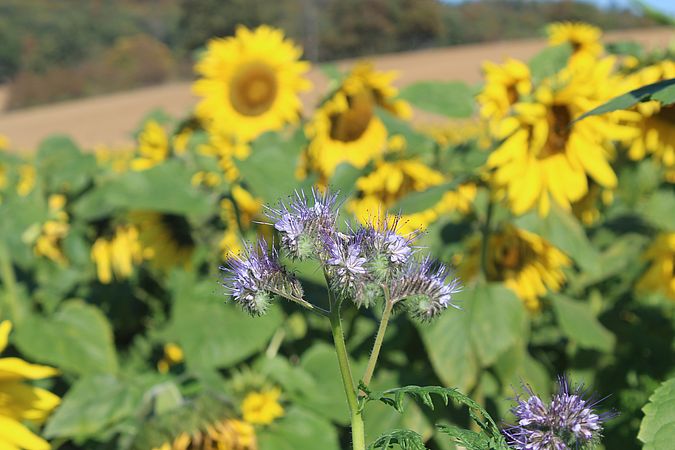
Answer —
(663, 91)
(460, 342)
(91, 405)
(580, 324)
(165, 188)
(467, 438)
(405, 439)
(212, 332)
(658, 209)
(77, 338)
(299, 430)
(550, 61)
(420, 201)
(451, 98)
(62, 166)
(657, 429)
(270, 169)
(564, 231)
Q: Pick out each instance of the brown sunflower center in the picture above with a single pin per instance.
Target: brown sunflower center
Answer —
(512, 93)
(350, 125)
(254, 89)
(667, 114)
(510, 254)
(559, 118)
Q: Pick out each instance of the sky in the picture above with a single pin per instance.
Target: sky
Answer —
(666, 6)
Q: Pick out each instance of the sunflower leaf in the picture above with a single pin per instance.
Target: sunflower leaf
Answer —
(451, 99)
(662, 91)
(657, 429)
(579, 323)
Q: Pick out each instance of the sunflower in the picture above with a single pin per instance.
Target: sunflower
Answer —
(584, 39)
(153, 146)
(587, 209)
(238, 214)
(391, 181)
(26, 181)
(250, 83)
(526, 263)
(20, 401)
(166, 238)
(458, 132)
(655, 121)
(345, 127)
(505, 84)
(543, 156)
(262, 408)
(53, 231)
(117, 255)
(226, 151)
(117, 159)
(173, 355)
(660, 276)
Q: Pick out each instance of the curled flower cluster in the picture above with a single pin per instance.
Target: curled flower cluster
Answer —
(365, 264)
(255, 277)
(568, 422)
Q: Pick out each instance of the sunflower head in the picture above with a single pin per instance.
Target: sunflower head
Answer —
(523, 261)
(262, 408)
(345, 128)
(117, 254)
(584, 39)
(249, 83)
(153, 146)
(505, 84)
(166, 238)
(660, 274)
(544, 156)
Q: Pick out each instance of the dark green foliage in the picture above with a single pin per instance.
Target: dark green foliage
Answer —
(405, 439)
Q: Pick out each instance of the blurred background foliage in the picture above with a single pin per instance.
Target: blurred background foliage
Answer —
(51, 51)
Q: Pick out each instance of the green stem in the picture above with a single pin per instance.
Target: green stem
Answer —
(304, 303)
(358, 430)
(379, 338)
(485, 241)
(9, 282)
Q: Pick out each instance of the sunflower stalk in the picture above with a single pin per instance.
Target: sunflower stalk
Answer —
(9, 282)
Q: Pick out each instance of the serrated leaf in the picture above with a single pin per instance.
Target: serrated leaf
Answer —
(657, 430)
(580, 324)
(92, 404)
(77, 338)
(663, 91)
(466, 438)
(405, 439)
(451, 98)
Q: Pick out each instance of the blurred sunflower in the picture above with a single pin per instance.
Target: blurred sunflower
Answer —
(527, 264)
(166, 239)
(53, 231)
(542, 156)
(587, 209)
(230, 434)
(153, 146)
(262, 408)
(391, 181)
(250, 83)
(118, 159)
(238, 214)
(172, 356)
(20, 401)
(660, 275)
(505, 84)
(345, 127)
(458, 132)
(118, 254)
(26, 181)
(655, 122)
(225, 150)
(584, 39)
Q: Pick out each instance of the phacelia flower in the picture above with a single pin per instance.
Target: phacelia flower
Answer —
(425, 288)
(568, 422)
(255, 277)
(303, 226)
(345, 262)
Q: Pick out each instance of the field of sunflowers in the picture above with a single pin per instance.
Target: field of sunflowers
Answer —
(116, 333)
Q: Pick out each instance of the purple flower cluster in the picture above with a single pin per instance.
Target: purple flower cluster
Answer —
(303, 226)
(568, 422)
(426, 287)
(254, 278)
(362, 265)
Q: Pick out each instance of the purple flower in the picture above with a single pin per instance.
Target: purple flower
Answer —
(302, 225)
(255, 277)
(567, 423)
(424, 286)
(344, 262)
